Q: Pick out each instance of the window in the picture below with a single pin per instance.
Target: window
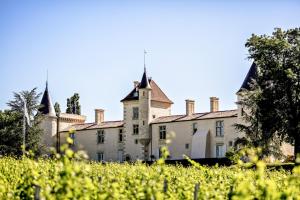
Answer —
(162, 132)
(100, 136)
(143, 123)
(100, 156)
(135, 113)
(135, 129)
(195, 127)
(187, 146)
(136, 141)
(120, 137)
(230, 143)
(153, 116)
(219, 150)
(219, 128)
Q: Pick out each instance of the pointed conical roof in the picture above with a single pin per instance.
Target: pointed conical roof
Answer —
(144, 82)
(47, 107)
(156, 94)
(252, 73)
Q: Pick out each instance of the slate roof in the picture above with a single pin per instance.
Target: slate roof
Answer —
(196, 116)
(156, 93)
(47, 107)
(165, 119)
(252, 73)
(144, 82)
(89, 126)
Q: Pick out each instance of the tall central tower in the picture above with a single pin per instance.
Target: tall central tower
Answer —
(145, 114)
(142, 105)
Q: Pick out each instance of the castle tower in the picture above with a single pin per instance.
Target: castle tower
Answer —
(145, 114)
(49, 119)
(143, 104)
(246, 85)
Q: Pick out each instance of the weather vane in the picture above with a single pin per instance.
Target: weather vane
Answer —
(145, 52)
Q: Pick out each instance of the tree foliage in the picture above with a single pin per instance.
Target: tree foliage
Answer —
(10, 133)
(11, 123)
(73, 106)
(273, 100)
(57, 108)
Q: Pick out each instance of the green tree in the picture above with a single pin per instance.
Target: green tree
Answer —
(57, 108)
(277, 85)
(12, 122)
(257, 129)
(10, 133)
(73, 106)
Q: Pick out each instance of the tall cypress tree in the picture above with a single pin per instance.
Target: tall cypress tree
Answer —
(73, 105)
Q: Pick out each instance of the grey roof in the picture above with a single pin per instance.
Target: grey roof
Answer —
(156, 93)
(164, 119)
(89, 126)
(196, 116)
(47, 107)
(252, 74)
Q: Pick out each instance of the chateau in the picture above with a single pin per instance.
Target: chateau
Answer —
(147, 126)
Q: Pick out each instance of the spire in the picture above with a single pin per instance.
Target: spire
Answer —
(47, 81)
(252, 74)
(145, 52)
(145, 81)
(47, 107)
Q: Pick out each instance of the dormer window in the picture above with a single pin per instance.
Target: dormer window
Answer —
(135, 94)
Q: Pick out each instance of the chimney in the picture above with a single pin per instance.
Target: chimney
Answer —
(189, 106)
(99, 116)
(135, 83)
(214, 104)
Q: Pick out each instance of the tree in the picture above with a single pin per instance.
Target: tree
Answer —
(73, 106)
(277, 84)
(32, 101)
(10, 133)
(12, 122)
(57, 108)
(257, 129)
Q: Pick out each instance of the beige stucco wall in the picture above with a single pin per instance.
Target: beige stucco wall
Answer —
(87, 140)
(183, 132)
(134, 150)
(159, 109)
(48, 125)
(147, 111)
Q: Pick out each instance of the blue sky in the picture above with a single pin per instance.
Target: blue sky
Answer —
(196, 48)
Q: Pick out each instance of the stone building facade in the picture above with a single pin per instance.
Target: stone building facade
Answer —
(147, 126)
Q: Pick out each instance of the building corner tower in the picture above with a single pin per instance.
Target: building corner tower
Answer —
(49, 120)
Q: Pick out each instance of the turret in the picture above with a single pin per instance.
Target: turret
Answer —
(145, 113)
(251, 75)
(49, 119)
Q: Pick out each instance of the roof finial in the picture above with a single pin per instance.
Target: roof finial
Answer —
(145, 52)
(47, 80)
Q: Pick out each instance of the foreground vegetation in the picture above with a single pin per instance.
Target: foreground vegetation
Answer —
(69, 177)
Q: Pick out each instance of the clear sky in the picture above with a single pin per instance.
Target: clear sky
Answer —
(196, 48)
